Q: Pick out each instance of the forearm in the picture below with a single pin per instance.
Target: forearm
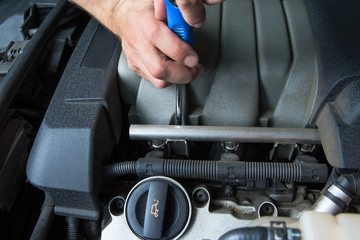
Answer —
(97, 9)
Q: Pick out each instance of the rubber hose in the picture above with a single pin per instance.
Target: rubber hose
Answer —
(262, 233)
(248, 233)
(72, 228)
(119, 169)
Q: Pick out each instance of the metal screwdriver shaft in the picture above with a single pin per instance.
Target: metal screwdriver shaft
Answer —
(179, 26)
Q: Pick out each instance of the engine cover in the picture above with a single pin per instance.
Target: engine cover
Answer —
(80, 128)
(260, 70)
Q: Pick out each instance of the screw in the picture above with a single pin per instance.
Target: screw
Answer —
(307, 148)
(200, 197)
(230, 146)
(117, 205)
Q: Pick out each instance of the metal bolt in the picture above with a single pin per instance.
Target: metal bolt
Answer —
(157, 144)
(117, 205)
(200, 197)
(307, 148)
(230, 146)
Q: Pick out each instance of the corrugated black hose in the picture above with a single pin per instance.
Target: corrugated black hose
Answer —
(219, 170)
(119, 169)
(72, 228)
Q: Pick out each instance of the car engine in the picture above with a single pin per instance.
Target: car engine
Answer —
(262, 145)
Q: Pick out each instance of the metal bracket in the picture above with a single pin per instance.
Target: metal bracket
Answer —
(283, 150)
(178, 147)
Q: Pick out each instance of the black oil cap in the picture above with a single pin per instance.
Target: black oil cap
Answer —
(158, 208)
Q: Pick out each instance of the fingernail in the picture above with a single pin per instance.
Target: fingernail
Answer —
(191, 61)
(197, 25)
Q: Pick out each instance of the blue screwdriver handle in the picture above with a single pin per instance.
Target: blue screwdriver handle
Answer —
(177, 23)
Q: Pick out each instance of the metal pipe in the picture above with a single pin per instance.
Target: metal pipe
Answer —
(17, 73)
(338, 196)
(72, 228)
(333, 201)
(219, 133)
(178, 107)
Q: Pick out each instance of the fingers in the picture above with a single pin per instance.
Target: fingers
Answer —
(136, 65)
(150, 63)
(160, 10)
(212, 2)
(170, 44)
(193, 12)
(152, 50)
(161, 67)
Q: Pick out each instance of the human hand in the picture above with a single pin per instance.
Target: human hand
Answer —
(152, 50)
(193, 11)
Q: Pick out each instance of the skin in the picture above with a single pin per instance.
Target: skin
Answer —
(152, 50)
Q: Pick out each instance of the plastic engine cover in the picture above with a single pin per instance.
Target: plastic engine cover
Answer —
(80, 127)
(260, 70)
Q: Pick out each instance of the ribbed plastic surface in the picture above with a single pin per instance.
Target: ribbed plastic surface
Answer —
(119, 169)
(279, 171)
(191, 169)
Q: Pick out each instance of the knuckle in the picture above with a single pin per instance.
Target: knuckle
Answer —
(158, 71)
(130, 63)
(132, 67)
(160, 84)
(188, 80)
(152, 30)
(177, 51)
(190, 77)
(131, 39)
(129, 57)
(185, 79)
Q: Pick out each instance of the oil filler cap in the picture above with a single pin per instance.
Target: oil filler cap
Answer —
(158, 208)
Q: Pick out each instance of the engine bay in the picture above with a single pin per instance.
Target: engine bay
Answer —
(265, 144)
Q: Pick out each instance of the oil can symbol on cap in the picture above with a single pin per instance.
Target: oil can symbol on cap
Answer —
(154, 209)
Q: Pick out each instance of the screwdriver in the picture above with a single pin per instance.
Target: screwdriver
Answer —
(180, 27)
(177, 23)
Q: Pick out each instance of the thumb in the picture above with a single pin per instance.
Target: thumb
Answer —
(160, 11)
